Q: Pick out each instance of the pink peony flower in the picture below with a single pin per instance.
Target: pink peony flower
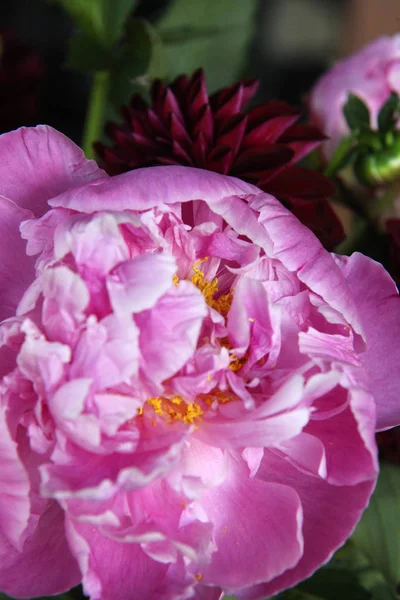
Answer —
(189, 382)
(372, 74)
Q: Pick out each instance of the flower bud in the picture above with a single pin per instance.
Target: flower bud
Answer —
(379, 167)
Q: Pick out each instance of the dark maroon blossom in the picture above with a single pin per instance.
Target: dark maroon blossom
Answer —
(21, 76)
(186, 126)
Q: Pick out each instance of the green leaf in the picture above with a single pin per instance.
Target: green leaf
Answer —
(101, 20)
(388, 114)
(115, 14)
(220, 54)
(342, 156)
(88, 15)
(356, 113)
(377, 536)
(142, 58)
(179, 35)
(333, 583)
(87, 54)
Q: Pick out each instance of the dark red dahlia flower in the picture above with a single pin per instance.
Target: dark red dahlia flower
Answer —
(185, 126)
(21, 75)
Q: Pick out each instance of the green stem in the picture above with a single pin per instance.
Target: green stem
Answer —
(95, 113)
(353, 240)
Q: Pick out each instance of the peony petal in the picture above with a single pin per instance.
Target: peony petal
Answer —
(115, 571)
(330, 515)
(252, 544)
(13, 280)
(136, 285)
(175, 321)
(300, 251)
(144, 188)
(39, 163)
(14, 488)
(378, 305)
(46, 566)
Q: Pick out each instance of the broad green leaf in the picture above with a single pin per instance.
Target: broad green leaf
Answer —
(115, 14)
(88, 15)
(294, 594)
(101, 20)
(221, 55)
(356, 113)
(342, 156)
(142, 58)
(388, 114)
(87, 54)
(333, 583)
(298, 595)
(351, 559)
(179, 35)
(377, 536)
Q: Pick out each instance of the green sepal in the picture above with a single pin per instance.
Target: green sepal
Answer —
(356, 113)
(344, 154)
(389, 114)
(142, 58)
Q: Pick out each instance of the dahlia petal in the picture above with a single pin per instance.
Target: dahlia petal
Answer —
(323, 504)
(40, 163)
(136, 285)
(269, 130)
(378, 304)
(14, 489)
(46, 566)
(244, 509)
(13, 282)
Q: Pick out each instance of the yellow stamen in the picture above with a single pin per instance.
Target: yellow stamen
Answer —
(209, 289)
(222, 397)
(176, 409)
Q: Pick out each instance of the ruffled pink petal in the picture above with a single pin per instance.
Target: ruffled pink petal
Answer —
(169, 332)
(46, 566)
(116, 571)
(300, 251)
(16, 268)
(39, 163)
(252, 544)
(142, 189)
(14, 488)
(136, 285)
(350, 433)
(378, 305)
(323, 505)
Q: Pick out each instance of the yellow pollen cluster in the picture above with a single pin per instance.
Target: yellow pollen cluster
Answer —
(222, 397)
(176, 409)
(209, 289)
